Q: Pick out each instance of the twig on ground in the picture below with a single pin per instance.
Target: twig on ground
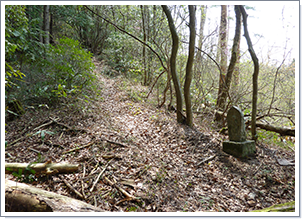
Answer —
(46, 124)
(206, 160)
(145, 169)
(82, 187)
(256, 171)
(126, 194)
(82, 183)
(72, 188)
(291, 148)
(79, 148)
(8, 154)
(114, 142)
(36, 151)
(94, 169)
(60, 136)
(10, 145)
(99, 176)
(95, 200)
(50, 143)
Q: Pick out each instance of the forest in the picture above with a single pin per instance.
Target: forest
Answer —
(125, 108)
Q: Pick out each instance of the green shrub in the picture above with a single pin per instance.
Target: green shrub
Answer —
(70, 66)
(66, 71)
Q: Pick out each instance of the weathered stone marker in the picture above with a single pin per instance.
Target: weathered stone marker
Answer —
(237, 145)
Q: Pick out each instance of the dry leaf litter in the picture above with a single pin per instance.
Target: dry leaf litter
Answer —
(160, 165)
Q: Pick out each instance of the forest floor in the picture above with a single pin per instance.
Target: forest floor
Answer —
(141, 148)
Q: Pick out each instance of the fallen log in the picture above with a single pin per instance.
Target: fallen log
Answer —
(281, 130)
(41, 168)
(20, 197)
(285, 207)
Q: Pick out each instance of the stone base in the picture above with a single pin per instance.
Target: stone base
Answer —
(240, 149)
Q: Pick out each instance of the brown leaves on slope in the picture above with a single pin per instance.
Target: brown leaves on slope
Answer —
(159, 165)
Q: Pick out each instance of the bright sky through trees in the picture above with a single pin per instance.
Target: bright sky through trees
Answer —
(276, 21)
(273, 27)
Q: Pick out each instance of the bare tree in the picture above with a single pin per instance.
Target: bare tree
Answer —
(255, 74)
(144, 40)
(222, 53)
(173, 57)
(203, 9)
(190, 60)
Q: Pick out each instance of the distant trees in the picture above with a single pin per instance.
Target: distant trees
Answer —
(151, 44)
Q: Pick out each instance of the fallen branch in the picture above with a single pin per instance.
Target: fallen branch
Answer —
(145, 169)
(99, 176)
(50, 143)
(256, 171)
(110, 156)
(285, 207)
(206, 160)
(126, 194)
(42, 168)
(72, 188)
(36, 151)
(46, 124)
(282, 131)
(70, 128)
(116, 143)
(10, 145)
(78, 148)
(53, 121)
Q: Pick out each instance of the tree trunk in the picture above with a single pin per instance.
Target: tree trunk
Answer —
(46, 25)
(143, 47)
(148, 39)
(226, 85)
(255, 74)
(173, 57)
(198, 58)
(236, 75)
(41, 23)
(190, 60)
(51, 25)
(201, 30)
(20, 197)
(222, 51)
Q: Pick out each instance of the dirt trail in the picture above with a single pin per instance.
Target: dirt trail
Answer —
(159, 160)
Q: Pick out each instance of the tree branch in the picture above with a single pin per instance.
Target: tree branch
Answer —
(122, 30)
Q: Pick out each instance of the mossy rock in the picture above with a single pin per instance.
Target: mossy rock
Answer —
(285, 207)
